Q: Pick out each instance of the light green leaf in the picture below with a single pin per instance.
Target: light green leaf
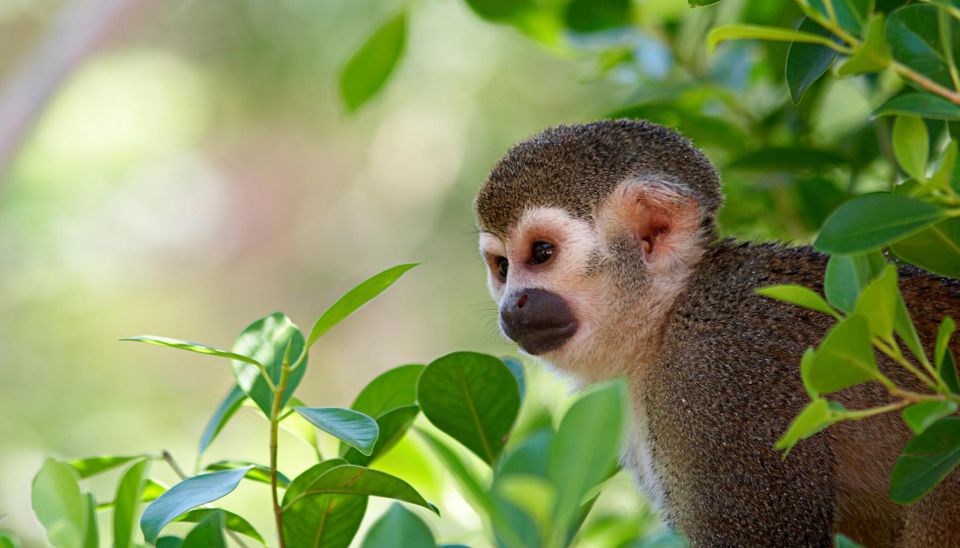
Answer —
(471, 486)
(208, 533)
(393, 425)
(948, 372)
(582, 454)
(921, 415)
(92, 466)
(873, 54)
(372, 64)
(844, 358)
(352, 427)
(936, 248)
(328, 521)
(186, 495)
(878, 303)
(232, 522)
(500, 11)
(944, 333)
(922, 104)
(230, 404)
(92, 536)
(9, 540)
(904, 328)
(806, 370)
(399, 528)
(747, 32)
(349, 479)
(199, 348)
(872, 221)
(847, 275)
(798, 295)
(393, 388)
(127, 502)
(267, 340)
(910, 145)
(929, 458)
(258, 472)
(59, 504)
(815, 417)
(806, 63)
(472, 397)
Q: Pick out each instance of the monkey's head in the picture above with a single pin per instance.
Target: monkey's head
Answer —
(589, 233)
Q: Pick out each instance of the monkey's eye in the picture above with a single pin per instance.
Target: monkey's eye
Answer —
(542, 251)
(503, 265)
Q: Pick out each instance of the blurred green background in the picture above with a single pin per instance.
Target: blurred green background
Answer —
(199, 171)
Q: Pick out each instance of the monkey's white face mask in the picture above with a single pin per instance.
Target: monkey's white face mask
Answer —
(584, 293)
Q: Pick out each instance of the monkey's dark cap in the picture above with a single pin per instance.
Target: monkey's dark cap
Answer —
(576, 167)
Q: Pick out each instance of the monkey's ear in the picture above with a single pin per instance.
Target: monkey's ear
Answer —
(663, 221)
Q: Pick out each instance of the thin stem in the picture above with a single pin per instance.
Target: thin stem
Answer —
(897, 356)
(866, 413)
(274, 432)
(831, 13)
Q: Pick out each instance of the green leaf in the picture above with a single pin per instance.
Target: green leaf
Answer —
(698, 3)
(786, 159)
(598, 15)
(850, 14)
(330, 521)
(470, 484)
(878, 303)
(516, 367)
(842, 541)
(372, 64)
(349, 479)
(798, 295)
(394, 388)
(267, 340)
(926, 461)
(910, 145)
(208, 533)
(186, 495)
(258, 472)
(904, 328)
(399, 528)
(199, 348)
(921, 415)
(230, 404)
(393, 425)
(936, 248)
(948, 372)
(127, 502)
(869, 222)
(300, 427)
(353, 427)
(151, 491)
(582, 454)
(59, 505)
(169, 542)
(944, 333)
(500, 10)
(922, 104)
(846, 277)
(355, 298)
(747, 32)
(844, 358)
(806, 63)
(9, 540)
(873, 54)
(92, 536)
(941, 178)
(806, 370)
(233, 521)
(472, 397)
(914, 39)
(815, 417)
(92, 466)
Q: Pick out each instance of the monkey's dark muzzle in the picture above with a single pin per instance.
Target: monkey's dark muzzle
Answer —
(538, 320)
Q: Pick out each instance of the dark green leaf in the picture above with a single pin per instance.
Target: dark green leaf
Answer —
(936, 248)
(352, 300)
(815, 417)
(798, 295)
(127, 502)
(233, 521)
(349, 479)
(352, 427)
(696, 3)
(394, 388)
(926, 461)
(472, 397)
(842, 541)
(393, 425)
(921, 415)
(59, 505)
(267, 340)
(224, 412)
(169, 542)
(581, 453)
(925, 105)
(904, 328)
(399, 528)
(208, 533)
(186, 495)
(330, 521)
(807, 62)
(948, 372)
(371, 66)
(259, 472)
(869, 222)
(873, 54)
(598, 15)
(844, 358)
(500, 10)
(914, 39)
(92, 466)
(786, 159)
(846, 277)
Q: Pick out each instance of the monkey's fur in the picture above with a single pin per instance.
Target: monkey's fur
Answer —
(713, 367)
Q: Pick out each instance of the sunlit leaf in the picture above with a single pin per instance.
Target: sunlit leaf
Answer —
(921, 415)
(466, 477)
(929, 458)
(399, 528)
(330, 521)
(372, 64)
(869, 222)
(910, 145)
(191, 347)
(878, 303)
(815, 417)
(394, 388)
(127, 503)
(59, 504)
(947, 327)
(208, 533)
(798, 295)
(873, 54)
(267, 340)
(845, 357)
(746, 32)
(92, 536)
(349, 479)
(352, 427)
(92, 466)
(258, 472)
(230, 404)
(233, 522)
(393, 424)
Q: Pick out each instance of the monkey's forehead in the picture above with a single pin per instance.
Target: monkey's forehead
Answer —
(576, 167)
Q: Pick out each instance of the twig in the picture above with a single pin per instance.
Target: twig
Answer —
(274, 432)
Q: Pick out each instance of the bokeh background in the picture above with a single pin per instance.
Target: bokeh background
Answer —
(197, 170)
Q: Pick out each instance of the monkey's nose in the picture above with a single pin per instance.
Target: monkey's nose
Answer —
(538, 320)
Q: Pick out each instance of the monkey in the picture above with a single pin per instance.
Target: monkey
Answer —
(604, 256)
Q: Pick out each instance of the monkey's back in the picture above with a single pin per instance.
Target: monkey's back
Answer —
(725, 387)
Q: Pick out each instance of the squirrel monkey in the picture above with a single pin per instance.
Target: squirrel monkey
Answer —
(602, 253)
